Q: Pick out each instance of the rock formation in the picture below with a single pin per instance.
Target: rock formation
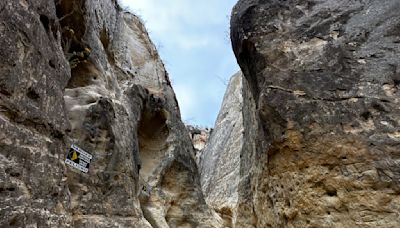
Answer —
(85, 73)
(224, 176)
(325, 77)
(307, 136)
(199, 137)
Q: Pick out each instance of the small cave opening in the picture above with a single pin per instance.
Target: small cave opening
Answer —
(332, 192)
(84, 74)
(32, 94)
(51, 64)
(153, 133)
(45, 22)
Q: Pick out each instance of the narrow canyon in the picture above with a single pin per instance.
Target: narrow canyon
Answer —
(308, 134)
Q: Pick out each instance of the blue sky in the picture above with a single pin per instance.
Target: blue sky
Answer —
(193, 41)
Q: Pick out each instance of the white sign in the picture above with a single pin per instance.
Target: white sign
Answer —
(78, 158)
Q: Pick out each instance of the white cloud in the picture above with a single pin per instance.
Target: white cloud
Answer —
(187, 101)
(175, 20)
(193, 13)
(195, 47)
(191, 42)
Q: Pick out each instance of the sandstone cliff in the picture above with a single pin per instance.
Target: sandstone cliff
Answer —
(325, 77)
(85, 73)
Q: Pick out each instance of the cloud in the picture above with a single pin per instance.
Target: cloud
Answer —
(196, 47)
(181, 22)
(187, 101)
(188, 42)
(193, 13)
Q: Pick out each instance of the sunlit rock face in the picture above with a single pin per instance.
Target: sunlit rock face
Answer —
(86, 73)
(325, 78)
(199, 137)
(224, 161)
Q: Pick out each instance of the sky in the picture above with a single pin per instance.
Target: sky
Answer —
(192, 38)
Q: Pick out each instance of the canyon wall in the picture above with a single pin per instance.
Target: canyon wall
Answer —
(307, 136)
(86, 73)
(227, 157)
(325, 80)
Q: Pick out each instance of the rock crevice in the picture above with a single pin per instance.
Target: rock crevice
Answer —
(307, 136)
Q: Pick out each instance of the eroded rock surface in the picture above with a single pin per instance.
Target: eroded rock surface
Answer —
(308, 137)
(85, 72)
(220, 160)
(225, 159)
(325, 78)
(199, 137)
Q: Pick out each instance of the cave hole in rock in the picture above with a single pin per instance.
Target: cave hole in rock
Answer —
(153, 133)
(396, 82)
(11, 189)
(49, 24)
(32, 94)
(378, 107)
(45, 22)
(366, 115)
(51, 64)
(84, 74)
(331, 192)
(13, 173)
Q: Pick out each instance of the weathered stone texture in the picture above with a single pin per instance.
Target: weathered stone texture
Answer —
(220, 161)
(224, 176)
(199, 136)
(85, 72)
(325, 77)
(33, 188)
(308, 137)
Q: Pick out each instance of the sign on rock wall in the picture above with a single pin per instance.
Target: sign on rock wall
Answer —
(78, 158)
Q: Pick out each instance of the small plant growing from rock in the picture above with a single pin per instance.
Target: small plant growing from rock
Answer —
(75, 58)
(70, 15)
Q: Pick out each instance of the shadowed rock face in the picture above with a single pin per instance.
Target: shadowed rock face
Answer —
(84, 72)
(325, 78)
